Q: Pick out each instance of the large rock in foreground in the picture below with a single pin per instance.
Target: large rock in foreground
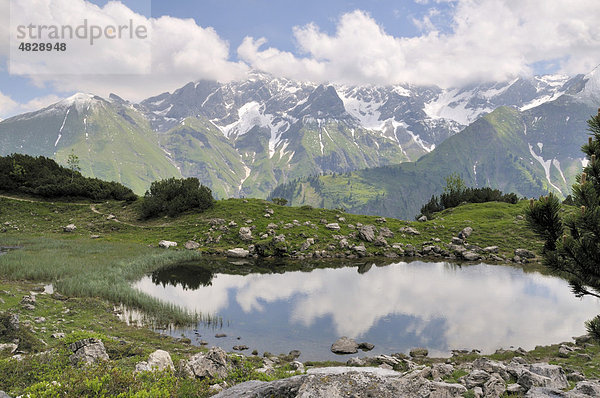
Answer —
(347, 382)
(159, 360)
(211, 364)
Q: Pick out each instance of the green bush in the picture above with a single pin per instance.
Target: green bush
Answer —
(455, 193)
(41, 176)
(175, 196)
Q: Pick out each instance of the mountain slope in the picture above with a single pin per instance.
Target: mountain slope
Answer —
(528, 152)
(112, 140)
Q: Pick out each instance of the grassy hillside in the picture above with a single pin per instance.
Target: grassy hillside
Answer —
(493, 223)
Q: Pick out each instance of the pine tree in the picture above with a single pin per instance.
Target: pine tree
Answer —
(572, 243)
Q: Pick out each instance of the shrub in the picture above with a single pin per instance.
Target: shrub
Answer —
(279, 201)
(41, 176)
(455, 193)
(174, 196)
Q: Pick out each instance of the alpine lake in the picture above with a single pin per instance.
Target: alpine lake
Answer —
(280, 306)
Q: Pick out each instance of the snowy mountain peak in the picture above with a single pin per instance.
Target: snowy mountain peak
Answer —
(79, 100)
(590, 94)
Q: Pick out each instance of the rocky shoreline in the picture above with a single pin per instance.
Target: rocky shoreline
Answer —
(364, 241)
(395, 375)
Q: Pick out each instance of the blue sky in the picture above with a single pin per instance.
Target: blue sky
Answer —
(448, 43)
(235, 19)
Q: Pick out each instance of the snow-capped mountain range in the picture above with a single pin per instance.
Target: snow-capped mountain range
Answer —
(245, 138)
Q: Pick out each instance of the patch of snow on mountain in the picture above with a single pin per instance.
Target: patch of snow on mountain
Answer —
(208, 97)
(62, 127)
(555, 81)
(541, 100)
(493, 92)
(80, 100)
(275, 138)
(546, 165)
(402, 91)
(164, 111)
(451, 104)
(367, 113)
(249, 115)
(556, 164)
(419, 141)
(247, 170)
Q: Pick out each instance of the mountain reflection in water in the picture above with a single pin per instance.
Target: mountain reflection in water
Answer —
(435, 305)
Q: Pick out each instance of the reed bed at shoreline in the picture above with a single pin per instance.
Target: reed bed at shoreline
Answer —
(87, 268)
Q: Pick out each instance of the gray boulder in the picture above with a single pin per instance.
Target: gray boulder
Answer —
(69, 228)
(476, 378)
(191, 245)
(465, 233)
(361, 250)
(159, 360)
(409, 231)
(344, 345)
(524, 253)
(238, 252)
(340, 382)
(386, 232)
(87, 351)
(356, 361)
(542, 375)
(365, 346)
(380, 241)
(165, 244)
(589, 388)
(279, 238)
(333, 226)
(211, 364)
(245, 234)
(367, 233)
(470, 256)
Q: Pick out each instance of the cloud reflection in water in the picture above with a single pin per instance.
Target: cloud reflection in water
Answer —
(481, 306)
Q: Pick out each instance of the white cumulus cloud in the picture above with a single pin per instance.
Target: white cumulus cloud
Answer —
(176, 52)
(9, 107)
(487, 40)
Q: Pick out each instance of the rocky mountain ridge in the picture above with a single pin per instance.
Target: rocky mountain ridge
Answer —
(244, 138)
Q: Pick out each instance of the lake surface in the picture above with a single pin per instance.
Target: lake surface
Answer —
(440, 306)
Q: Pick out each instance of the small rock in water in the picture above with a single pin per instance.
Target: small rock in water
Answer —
(220, 335)
(344, 345)
(240, 347)
(366, 346)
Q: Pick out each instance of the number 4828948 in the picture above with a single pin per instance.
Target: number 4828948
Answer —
(43, 46)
